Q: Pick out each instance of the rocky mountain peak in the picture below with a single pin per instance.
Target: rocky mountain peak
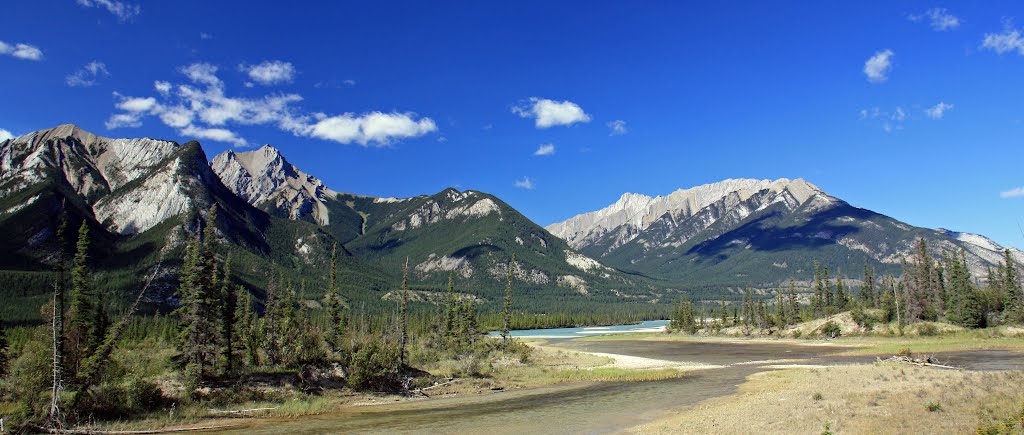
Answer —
(264, 178)
(633, 212)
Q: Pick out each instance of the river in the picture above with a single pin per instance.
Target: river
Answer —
(589, 407)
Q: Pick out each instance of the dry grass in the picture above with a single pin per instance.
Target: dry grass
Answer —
(855, 399)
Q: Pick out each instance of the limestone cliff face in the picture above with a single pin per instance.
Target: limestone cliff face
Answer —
(265, 179)
(634, 213)
(130, 185)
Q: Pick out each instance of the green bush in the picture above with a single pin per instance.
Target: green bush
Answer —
(831, 330)
(142, 395)
(374, 366)
(927, 330)
(934, 407)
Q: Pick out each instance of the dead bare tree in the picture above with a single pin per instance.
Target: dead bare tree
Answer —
(93, 367)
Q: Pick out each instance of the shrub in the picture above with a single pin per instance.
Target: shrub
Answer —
(817, 396)
(927, 330)
(905, 352)
(831, 330)
(934, 407)
(142, 395)
(374, 366)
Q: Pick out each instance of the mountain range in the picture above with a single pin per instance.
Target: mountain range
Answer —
(142, 198)
(760, 232)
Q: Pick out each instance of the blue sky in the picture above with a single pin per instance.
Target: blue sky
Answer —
(911, 109)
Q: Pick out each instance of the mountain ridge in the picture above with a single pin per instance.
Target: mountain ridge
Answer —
(718, 226)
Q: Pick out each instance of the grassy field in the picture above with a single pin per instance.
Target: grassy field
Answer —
(877, 398)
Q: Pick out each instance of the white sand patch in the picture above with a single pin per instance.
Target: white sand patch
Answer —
(641, 363)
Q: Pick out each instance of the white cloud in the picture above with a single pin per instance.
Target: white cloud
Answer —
(348, 82)
(890, 121)
(123, 11)
(938, 111)
(549, 113)
(375, 127)
(525, 183)
(88, 75)
(939, 18)
(202, 73)
(21, 51)
(1008, 41)
(136, 104)
(214, 134)
(877, 67)
(4, 135)
(270, 72)
(202, 108)
(162, 87)
(545, 150)
(177, 117)
(618, 127)
(204, 35)
(1016, 192)
(123, 120)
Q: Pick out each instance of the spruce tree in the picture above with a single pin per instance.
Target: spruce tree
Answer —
(451, 309)
(82, 308)
(780, 309)
(506, 311)
(829, 303)
(867, 290)
(3, 351)
(841, 298)
(59, 302)
(403, 315)
(1013, 299)
(228, 319)
(249, 331)
(724, 310)
(818, 298)
(793, 303)
(197, 341)
(335, 309)
(272, 322)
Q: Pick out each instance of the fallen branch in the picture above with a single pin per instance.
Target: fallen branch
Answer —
(441, 385)
(920, 362)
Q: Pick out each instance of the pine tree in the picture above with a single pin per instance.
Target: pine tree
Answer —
(724, 311)
(1013, 299)
(841, 298)
(818, 299)
(748, 307)
(272, 322)
(228, 319)
(403, 315)
(794, 304)
(964, 305)
(60, 299)
(867, 290)
(57, 332)
(451, 308)
(100, 323)
(335, 309)
(829, 303)
(82, 308)
(780, 309)
(3, 351)
(198, 291)
(506, 311)
(248, 327)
